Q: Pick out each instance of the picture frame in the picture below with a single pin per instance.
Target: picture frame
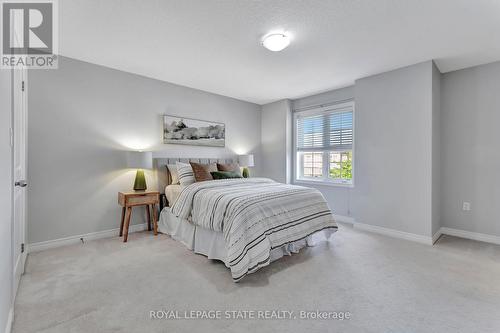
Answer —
(195, 132)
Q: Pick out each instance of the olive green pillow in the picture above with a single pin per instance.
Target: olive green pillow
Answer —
(225, 174)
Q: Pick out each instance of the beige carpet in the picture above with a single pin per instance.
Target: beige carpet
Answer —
(388, 285)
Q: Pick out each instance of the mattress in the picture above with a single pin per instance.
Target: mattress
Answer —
(172, 193)
(211, 243)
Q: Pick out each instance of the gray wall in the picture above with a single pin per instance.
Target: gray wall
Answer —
(82, 117)
(442, 133)
(277, 140)
(393, 158)
(470, 169)
(5, 198)
(393, 162)
(338, 198)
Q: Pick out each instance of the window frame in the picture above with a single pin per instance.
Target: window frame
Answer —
(298, 178)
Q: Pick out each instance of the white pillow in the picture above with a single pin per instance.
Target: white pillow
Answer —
(186, 175)
(174, 174)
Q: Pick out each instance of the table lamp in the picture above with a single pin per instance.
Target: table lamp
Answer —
(140, 160)
(246, 161)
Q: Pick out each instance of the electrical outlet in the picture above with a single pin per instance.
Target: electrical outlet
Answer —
(466, 206)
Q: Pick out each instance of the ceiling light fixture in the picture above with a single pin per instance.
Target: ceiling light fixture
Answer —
(276, 41)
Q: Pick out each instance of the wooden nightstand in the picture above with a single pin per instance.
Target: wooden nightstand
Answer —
(137, 198)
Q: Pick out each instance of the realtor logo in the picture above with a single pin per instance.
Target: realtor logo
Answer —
(29, 34)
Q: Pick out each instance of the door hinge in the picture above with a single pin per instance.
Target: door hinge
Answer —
(22, 86)
(22, 248)
(11, 134)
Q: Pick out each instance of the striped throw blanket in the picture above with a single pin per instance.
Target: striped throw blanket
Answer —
(255, 215)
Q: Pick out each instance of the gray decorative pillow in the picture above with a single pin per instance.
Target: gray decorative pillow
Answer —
(174, 174)
(235, 167)
(186, 175)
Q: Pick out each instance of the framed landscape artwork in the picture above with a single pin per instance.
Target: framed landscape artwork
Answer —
(187, 131)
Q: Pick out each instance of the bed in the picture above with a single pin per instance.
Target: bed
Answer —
(245, 223)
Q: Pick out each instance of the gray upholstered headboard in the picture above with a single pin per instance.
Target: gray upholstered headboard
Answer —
(163, 175)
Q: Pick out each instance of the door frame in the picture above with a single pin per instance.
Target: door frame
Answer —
(18, 264)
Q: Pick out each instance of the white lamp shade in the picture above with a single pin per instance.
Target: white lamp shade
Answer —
(246, 160)
(140, 159)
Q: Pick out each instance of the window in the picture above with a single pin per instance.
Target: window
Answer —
(313, 164)
(324, 144)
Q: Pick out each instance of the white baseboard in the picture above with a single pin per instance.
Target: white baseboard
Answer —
(470, 235)
(385, 231)
(36, 247)
(10, 320)
(394, 233)
(344, 219)
(419, 238)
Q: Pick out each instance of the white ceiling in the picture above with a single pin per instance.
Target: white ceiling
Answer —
(214, 45)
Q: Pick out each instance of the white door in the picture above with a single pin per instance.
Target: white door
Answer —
(19, 168)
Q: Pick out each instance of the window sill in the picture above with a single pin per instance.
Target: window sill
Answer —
(322, 183)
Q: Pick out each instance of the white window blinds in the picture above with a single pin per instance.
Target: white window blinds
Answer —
(326, 130)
